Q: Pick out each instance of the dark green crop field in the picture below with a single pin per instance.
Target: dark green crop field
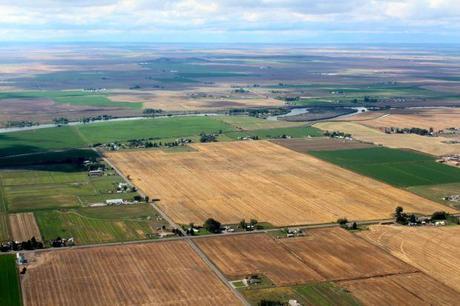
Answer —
(10, 290)
(395, 167)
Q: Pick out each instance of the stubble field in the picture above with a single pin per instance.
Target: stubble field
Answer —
(261, 180)
(432, 145)
(24, 227)
(432, 250)
(167, 273)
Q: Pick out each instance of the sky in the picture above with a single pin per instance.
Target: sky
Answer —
(231, 21)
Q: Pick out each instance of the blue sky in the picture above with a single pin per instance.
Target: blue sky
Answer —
(256, 21)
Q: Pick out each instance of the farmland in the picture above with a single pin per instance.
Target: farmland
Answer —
(55, 186)
(147, 274)
(395, 167)
(306, 145)
(436, 118)
(24, 227)
(438, 193)
(407, 289)
(432, 250)
(100, 225)
(10, 290)
(239, 256)
(301, 260)
(252, 123)
(294, 132)
(261, 180)
(430, 145)
(310, 294)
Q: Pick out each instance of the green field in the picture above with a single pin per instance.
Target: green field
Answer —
(395, 167)
(10, 290)
(293, 132)
(253, 123)
(69, 137)
(99, 225)
(322, 294)
(70, 97)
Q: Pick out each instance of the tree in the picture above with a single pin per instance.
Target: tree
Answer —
(439, 215)
(342, 221)
(243, 224)
(354, 226)
(147, 199)
(253, 222)
(400, 216)
(212, 226)
(270, 303)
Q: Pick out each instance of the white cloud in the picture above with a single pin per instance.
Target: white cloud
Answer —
(159, 17)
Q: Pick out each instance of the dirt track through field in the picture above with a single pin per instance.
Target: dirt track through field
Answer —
(434, 250)
(24, 227)
(261, 180)
(167, 273)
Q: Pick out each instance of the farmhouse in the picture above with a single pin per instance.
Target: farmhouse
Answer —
(115, 202)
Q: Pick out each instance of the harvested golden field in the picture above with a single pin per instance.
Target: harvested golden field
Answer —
(433, 250)
(166, 273)
(242, 255)
(431, 145)
(337, 254)
(322, 254)
(24, 227)
(426, 118)
(261, 180)
(402, 289)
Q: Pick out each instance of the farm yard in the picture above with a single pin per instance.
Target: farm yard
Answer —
(143, 274)
(431, 145)
(429, 249)
(402, 289)
(24, 227)
(260, 180)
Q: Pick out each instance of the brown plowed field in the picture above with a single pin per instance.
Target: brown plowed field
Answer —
(304, 145)
(337, 254)
(239, 256)
(434, 250)
(323, 254)
(235, 180)
(166, 273)
(24, 227)
(402, 289)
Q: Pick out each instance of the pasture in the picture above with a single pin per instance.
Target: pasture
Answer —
(396, 167)
(401, 289)
(430, 249)
(252, 123)
(438, 193)
(56, 186)
(260, 180)
(24, 227)
(100, 225)
(309, 294)
(10, 290)
(431, 145)
(142, 274)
